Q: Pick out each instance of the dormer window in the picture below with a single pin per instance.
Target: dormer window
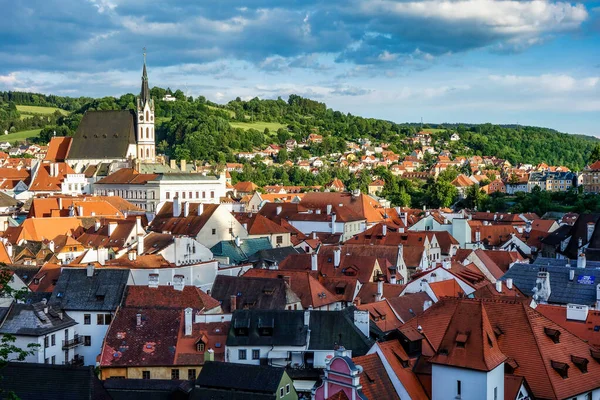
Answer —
(580, 362)
(265, 326)
(461, 340)
(560, 367)
(553, 334)
(200, 347)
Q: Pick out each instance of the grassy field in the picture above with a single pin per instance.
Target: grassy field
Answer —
(31, 110)
(11, 137)
(273, 126)
(432, 130)
(230, 112)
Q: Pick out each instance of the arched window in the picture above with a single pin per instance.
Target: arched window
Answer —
(147, 116)
(147, 133)
(141, 132)
(141, 153)
(147, 153)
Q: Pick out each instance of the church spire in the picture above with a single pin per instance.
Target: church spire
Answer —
(145, 93)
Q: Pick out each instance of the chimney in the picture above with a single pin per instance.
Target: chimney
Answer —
(233, 303)
(307, 317)
(278, 210)
(80, 211)
(333, 219)
(542, 289)
(509, 283)
(426, 304)
(200, 208)
(245, 225)
(357, 301)
(404, 218)
(138, 319)
(477, 236)
(313, 262)
(499, 286)
(287, 280)
(89, 270)
(581, 260)
(140, 244)
(132, 255)
(393, 280)
(238, 241)
(102, 255)
(209, 355)
(97, 225)
(173, 164)
(337, 255)
(60, 203)
(5, 225)
(384, 230)
(314, 235)
(590, 230)
(328, 209)
(188, 321)
(186, 209)
(51, 245)
(183, 164)
(178, 282)
(138, 225)
(111, 228)
(379, 294)
(176, 207)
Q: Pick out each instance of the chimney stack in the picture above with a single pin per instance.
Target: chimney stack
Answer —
(337, 256)
(97, 225)
(307, 317)
(209, 355)
(183, 166)
(333, 219)
(138, 319)
(89, 270)
(313, 262)
(426, 304)
(238, 241)
(178, 282)
(80, 211)
(328, 209)
(509, 283)
(51, 245)
(112, 226)
(384, 229)
(499, 286)
(140, 244)
(581, 260)
(186, 209)
(233, 303)
(571, 274)
(173, 164)
(9, 249)
(278, 210)
(188, 321)
(176, 207)
(379, 294)
(200, 208)
(102, 255)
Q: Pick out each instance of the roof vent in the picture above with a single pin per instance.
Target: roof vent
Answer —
(553, 334)
(580, 362)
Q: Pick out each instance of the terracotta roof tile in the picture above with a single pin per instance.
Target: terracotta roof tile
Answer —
(44, 182)
(58, 148)
(382, 315)
(375, 382)
(169, 297)
(402, 367)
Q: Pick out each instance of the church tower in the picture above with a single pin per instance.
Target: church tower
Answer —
(145, 121)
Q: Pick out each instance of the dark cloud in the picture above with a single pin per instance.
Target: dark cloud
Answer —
(99, 35)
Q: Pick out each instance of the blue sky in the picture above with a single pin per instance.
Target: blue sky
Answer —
(529, 62)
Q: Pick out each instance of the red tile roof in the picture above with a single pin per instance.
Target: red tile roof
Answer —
(402, 367)
(129, 176)
(58, 148)
(168, 297)
(189, 226)
(375, 382)
(368, 291)
(382, 315)
(43, 182)
(585, 330)
(245, 187)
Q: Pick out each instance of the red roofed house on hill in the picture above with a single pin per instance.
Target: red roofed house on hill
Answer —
(591, 178)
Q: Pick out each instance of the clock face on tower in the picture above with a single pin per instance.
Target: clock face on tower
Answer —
(141, 117)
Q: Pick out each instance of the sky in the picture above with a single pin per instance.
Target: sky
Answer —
(514, 62)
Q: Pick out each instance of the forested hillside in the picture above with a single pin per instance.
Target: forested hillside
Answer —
(196, 129)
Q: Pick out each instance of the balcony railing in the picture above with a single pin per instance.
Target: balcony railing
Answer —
(69, 344)
(76, 361)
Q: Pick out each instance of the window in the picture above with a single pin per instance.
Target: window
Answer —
(287, 388)
(191, 374)
(46, 361)
(175, 374)
(107, 319)
(100, 319)
(53, 340)
(46, 343)
(54, 360)
(87, 319)
(279, 239)
(495, 393)
(168, 194)
(200, 347)
(458, 389)
(281, 392)
(145, 374)
(87, 340)
(214, 231)
(190, 195)
(212, 195)
(197, 195)
(183, 194)
(203, 195)
(241, 354)
(255, 354)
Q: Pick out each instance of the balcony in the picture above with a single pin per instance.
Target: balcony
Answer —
(71, 343)
(76, 361)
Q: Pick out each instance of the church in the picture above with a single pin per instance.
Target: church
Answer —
(116, 137)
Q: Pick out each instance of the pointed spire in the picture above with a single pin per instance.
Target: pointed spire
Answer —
(145, 93)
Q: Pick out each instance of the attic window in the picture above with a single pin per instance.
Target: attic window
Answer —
(461, 339)
(371, 380)
(561, 368)
(553, 334)
(498, 331)
(489, 339)
(580, 362)
(268, 291)
(402, 360)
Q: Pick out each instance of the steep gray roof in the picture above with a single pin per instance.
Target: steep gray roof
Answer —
(34, 320)
(261, 379)
(580, 290)
(101, 292)
(103, 135)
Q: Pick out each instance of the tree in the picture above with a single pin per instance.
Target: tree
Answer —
(282, 156)
(475, 197)
(440, 193)
(594, 155)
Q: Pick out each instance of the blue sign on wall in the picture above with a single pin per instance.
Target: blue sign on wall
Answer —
(586, 279)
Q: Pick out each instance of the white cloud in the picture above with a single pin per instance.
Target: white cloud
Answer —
(552, 83)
